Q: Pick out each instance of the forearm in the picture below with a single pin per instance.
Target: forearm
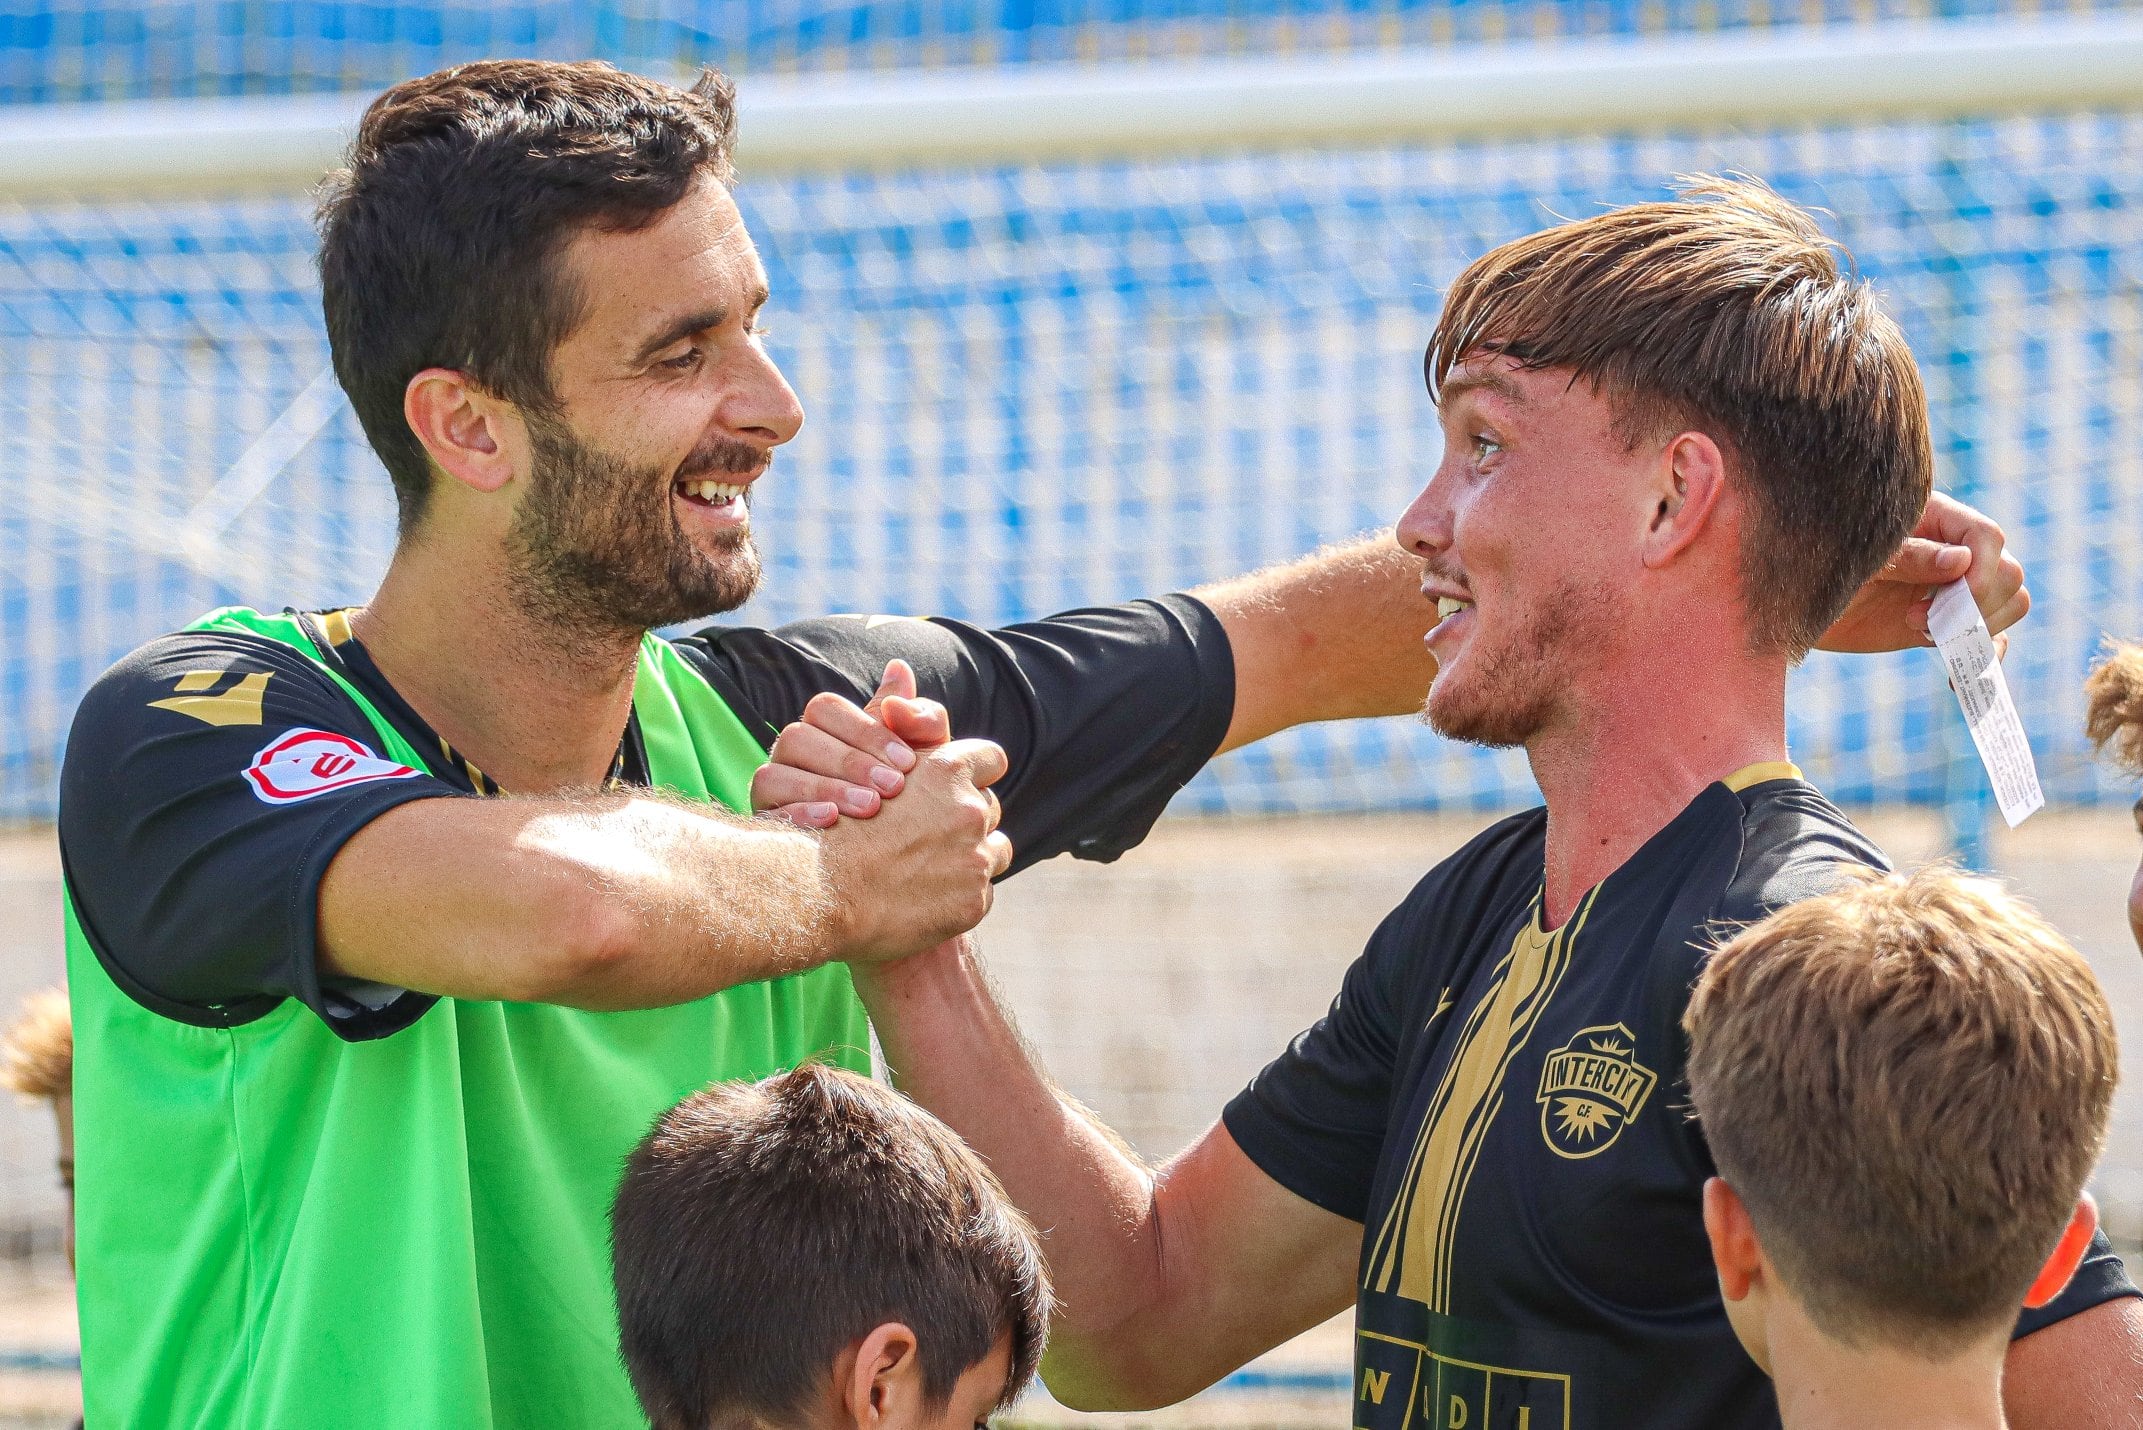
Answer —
(1336, 635)
(952, 1049)
(596, 901)
(2084, 1373)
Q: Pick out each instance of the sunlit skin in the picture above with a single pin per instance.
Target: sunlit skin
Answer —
(2135, 888)
(651, 374)
(1595, 567)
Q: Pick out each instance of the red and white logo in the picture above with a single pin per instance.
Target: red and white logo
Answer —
(304, 763)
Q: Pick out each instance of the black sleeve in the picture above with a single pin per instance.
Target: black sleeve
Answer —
(2101, 1278)
(1104, 713)
(1315, 1119)
(209, 780)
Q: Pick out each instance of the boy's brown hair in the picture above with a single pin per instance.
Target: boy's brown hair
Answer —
(763, 1228)
(37, 1058)
(2113, 696)
(1907, 1082)
(1726, 312)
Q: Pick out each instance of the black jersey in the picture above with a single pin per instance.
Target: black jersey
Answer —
(1503, 1109)
(202, 895)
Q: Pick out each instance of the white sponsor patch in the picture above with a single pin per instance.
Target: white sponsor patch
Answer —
(1960, 635)
(303, 763)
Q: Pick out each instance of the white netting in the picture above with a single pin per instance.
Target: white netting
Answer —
(1035, 387)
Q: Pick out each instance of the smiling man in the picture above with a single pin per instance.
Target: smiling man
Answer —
(362, 1044)
(1677, 437)
(392, 928)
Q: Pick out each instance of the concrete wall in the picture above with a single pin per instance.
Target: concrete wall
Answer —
(1155, 986)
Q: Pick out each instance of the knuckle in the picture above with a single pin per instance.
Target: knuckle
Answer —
(822, 705)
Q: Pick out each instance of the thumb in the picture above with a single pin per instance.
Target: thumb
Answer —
(922, 723)
(985, 761)
(898, 683)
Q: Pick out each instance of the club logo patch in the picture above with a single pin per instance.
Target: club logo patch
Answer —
(1590, 1089)
(304, 763)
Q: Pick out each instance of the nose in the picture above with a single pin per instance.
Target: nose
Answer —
(760, 406)
(1425, 528)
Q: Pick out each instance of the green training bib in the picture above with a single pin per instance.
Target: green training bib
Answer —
(278, 1228)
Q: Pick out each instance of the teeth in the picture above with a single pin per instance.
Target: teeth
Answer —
(1447, 606)
(715, 492)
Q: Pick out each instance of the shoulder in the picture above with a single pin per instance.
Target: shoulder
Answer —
(1478, 886)
(215, 678)
(192, 706)
(1795, 844)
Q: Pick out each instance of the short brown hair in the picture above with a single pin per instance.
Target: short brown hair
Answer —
(37, 1058)
(1726, 311)
(762, 1228)
(1907, 1082)
(2113, 695)
(440, 236)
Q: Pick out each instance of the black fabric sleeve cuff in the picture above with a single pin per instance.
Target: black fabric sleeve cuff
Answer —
(2101, 1278)
(1125, 824)
(1312, 1174)
(345, 1016)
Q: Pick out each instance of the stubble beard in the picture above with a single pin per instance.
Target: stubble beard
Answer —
(596, 549)
(1517, 689)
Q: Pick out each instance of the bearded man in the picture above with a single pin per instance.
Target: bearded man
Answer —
(1677, 437)
(393, 928)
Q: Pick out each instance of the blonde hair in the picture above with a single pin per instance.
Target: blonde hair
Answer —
(37, 1058)
(2113, 694)
(1726, 311)
(1907, 1082)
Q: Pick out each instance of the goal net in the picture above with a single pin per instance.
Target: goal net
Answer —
(1035, 384)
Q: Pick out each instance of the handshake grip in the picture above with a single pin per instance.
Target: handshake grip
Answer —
(918, 871)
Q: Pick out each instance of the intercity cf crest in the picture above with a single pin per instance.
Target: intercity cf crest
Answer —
(1590, 1089)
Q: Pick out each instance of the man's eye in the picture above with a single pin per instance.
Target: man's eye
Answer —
(1485, 447)
(683, 362)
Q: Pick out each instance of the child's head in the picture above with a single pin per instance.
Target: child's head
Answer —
(1905, 1085)
(2113, 694)
(37, 1060)
(815, 1250)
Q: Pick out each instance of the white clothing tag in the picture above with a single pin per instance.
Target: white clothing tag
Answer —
(1961, 637)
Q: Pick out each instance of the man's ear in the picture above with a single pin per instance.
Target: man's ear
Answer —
(1734, 1251)
(884, 1385)
(1687, 483)
(2068, 1254)
(466, 430)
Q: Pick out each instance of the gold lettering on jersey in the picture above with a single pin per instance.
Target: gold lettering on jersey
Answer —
(1446, 1393)
(240, 705)
(1412, 1251)
(1590, 1089)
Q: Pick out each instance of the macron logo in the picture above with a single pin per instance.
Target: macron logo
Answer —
(304, 763)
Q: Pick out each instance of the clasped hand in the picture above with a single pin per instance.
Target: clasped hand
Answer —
(912, 864)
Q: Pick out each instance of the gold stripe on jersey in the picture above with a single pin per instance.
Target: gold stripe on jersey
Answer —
(335, 625)
(1757, 774)
(1412, 1252)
